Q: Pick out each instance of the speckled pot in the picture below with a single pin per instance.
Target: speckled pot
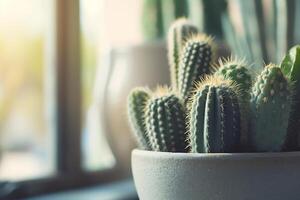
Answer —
(225, 176)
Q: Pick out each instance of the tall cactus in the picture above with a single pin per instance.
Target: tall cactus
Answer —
(180, 30)
(165, 122)
(290, 66)
(196, 60)
(214, 117)
(136, 103)
(270, 103)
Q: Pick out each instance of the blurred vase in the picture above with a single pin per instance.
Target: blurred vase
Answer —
(124, 69)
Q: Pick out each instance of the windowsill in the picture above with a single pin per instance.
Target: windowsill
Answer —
(123, 190)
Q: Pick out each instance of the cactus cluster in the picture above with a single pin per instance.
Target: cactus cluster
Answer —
(211, 107)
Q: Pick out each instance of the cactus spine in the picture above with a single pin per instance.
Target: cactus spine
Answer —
(195, 62)
(178, 34)
(165, 122)
(270, 104)
(136, 103)
(214, 117)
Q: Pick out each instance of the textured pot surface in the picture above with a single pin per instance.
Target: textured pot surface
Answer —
(237, 176)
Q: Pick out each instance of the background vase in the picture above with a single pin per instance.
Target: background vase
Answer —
(124, 69)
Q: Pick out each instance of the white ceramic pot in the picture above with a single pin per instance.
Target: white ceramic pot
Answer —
(219, 176)
(124, 69)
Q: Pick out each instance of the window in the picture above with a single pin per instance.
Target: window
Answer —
(47, 63)
(92, 139)
(51, 56)
(26, 99)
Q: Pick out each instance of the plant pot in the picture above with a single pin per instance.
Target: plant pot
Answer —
(218, 176)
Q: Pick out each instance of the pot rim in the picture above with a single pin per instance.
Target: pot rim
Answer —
(213, 156)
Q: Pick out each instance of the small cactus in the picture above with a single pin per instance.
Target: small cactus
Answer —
(179, 32)
(196, 59)
(214, 118)
(236, 71)
(270, 104)
(136, 103)
(165, 122)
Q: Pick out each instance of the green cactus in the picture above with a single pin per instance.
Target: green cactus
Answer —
(195, 63)
(165, 122)
(236, 71)
(180, 30)
(225, 112)
(214, 118)
(136, 103)
(270, 104)
(290, 66)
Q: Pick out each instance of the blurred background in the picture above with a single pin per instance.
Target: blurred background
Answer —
(66, 68)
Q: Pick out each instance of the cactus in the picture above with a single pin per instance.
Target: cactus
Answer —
(270, 104)
(214, 118)
(180, 30)
(136, 103)
(235, 70)
(165, 122)
(290, 66)
(195, 62)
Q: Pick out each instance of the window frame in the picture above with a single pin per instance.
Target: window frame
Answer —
(69, 172)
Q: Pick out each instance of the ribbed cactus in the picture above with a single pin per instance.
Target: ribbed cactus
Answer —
(236, 71)
(196, 60)
(165, 122)
(270, 104)
(290, 66)
(179, 32)
(136, 103)
(214, 118)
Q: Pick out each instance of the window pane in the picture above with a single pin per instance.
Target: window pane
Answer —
(26, 98)
(95, 150)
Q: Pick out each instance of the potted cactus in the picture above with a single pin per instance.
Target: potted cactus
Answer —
(220, 131)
